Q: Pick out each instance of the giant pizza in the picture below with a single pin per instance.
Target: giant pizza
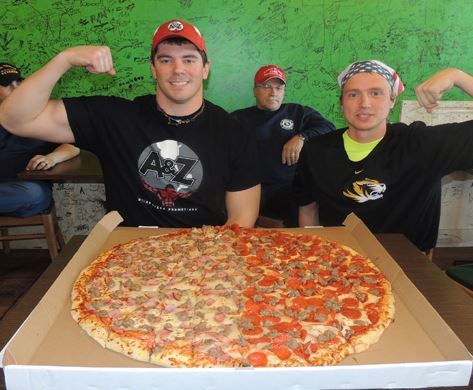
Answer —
(230, 297)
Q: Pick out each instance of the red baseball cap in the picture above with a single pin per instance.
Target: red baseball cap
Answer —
(268, 72)
(177, 28)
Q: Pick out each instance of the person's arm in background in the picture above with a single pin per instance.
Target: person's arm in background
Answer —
(313, 124)
(243, 206)
(309, 215)
(430, 91)
(28, 110)
(61, 153)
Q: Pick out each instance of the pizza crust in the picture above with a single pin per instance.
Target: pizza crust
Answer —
(175, 354)
(128, 346)
(94, 328)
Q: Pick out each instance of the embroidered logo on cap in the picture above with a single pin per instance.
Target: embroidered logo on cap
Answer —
(273, 72)
(175, 25)
(8, 69)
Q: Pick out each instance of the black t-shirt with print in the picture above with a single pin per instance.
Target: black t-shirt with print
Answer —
(159, 174)
(396, 188)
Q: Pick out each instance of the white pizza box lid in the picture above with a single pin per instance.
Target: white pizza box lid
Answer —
(51, 351)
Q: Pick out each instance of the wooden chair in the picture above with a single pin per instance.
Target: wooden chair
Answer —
(52, 232)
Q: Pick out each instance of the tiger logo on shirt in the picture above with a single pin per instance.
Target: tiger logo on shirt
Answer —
(365, 190)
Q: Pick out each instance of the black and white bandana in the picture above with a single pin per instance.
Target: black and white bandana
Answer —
(372, 66)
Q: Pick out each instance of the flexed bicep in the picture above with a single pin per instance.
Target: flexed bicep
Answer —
(29, 110)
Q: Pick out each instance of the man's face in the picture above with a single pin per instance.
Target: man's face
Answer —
(5, 91)
(366, 103)
(179, 72)
(269, 95)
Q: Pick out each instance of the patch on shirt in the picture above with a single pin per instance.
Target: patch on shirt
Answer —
(287, 124)
(365, 190)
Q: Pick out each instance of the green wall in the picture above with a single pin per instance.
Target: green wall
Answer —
(313, 40)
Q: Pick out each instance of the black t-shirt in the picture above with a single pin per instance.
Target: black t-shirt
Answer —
(396, 188)
(273, 129)
(159, 174)
(16, 152)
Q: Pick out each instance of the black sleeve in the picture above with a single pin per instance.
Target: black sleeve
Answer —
(444, 148)
(92, 119)
(245, 171)
(313, 124)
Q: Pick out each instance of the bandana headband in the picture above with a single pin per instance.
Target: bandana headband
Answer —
(372, 67)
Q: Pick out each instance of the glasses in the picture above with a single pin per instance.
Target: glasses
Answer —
(278, 88)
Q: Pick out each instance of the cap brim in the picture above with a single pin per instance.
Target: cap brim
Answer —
(176, 36)
(275, 77)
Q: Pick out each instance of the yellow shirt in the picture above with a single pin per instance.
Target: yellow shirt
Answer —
(357, 151)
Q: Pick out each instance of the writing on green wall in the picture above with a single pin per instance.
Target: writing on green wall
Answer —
(313, 40)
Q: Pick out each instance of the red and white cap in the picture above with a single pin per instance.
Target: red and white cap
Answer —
(177, 28)
(268, 72)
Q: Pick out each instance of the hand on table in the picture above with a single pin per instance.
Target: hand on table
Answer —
(40, 163)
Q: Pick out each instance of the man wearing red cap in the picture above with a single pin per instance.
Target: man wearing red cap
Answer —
(280, 130)
(169, 159)
(389, 175)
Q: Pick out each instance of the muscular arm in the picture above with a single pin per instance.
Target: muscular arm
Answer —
(61, 153)
(430, 91)
(29, 111)
(309, 215)
(243, 206)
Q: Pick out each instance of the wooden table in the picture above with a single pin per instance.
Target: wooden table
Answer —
(84, 168)
(450, 301)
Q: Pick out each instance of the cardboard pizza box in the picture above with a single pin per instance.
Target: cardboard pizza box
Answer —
(51, 351)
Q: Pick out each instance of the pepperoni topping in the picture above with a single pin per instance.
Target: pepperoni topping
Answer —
(350, 302)
(281, 351)
(257, 340)
(373, 317)
(253, 261)
(293, 283)
(348, 312)
(253, 331)
(250, 291)
(268, 280)
(257, 359)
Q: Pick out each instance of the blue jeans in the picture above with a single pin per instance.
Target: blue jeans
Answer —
(24, 198)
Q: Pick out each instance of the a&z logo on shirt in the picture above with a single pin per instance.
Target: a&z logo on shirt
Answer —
(171, 170)
(287, 124)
